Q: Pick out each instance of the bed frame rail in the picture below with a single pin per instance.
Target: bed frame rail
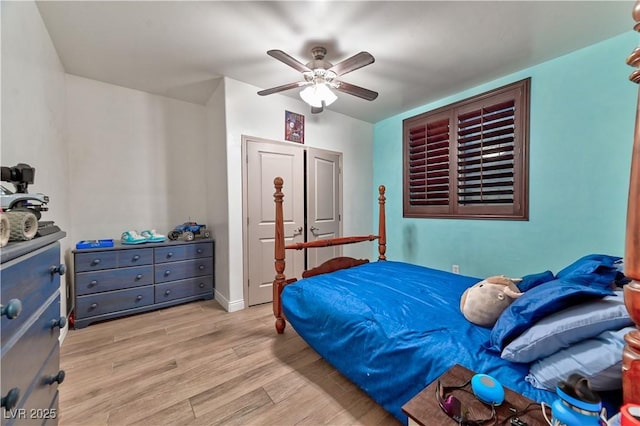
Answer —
(329, 266)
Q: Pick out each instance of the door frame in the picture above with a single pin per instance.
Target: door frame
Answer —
(245, 234)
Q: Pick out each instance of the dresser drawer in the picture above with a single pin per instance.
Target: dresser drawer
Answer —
(170, 253)
(30, 280)
(21, 360)
(111, 301)
(37, 408)
(135, 257)
(182, 252)
(183, 288)
(108, 259)
(199, 250)
(116, 279)
(95, 260)
(185, 269)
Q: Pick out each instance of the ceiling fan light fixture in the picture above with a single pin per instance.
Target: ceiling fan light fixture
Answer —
(317, 94)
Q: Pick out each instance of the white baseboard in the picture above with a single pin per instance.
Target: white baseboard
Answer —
(236, 305)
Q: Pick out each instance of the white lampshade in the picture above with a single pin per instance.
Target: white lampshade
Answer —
(316, 94)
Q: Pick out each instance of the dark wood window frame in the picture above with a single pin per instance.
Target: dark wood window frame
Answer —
(469, 159)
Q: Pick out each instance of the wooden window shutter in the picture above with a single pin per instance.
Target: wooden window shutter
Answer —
(470, 159)
(428, 168)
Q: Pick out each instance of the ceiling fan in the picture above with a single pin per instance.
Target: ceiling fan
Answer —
(320, 76)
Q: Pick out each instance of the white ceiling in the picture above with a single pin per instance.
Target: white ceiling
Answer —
(424, 50)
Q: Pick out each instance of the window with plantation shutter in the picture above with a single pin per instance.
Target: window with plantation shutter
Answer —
(469, 159)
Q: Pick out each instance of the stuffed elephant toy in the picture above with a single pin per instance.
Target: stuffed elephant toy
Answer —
(483, 303)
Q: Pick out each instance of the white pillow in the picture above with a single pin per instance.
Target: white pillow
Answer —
(598, 359)
(568, 326)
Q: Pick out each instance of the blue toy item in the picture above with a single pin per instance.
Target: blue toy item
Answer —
(578, 405)
(487, 389)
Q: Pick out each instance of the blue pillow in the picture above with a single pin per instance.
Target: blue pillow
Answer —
(571, 325)
(533, 280)
(598, 359)
(593, 269)
(537, 303)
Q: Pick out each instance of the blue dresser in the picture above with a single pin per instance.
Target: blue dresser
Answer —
(30, 295)
(129, 279)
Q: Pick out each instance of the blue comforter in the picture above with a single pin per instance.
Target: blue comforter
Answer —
(392, 328)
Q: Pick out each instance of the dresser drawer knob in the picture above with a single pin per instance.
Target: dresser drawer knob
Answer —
(167, 273)
(60, 322)
(201, 285)
(60, 269)
(201, 267)
(170, 254)
(13, 309)
(138, 277)
(95, 262)
(93, 283)
(136, 257)
(167, 292)
(139, 297)
(10, 401)
(199, 251)
(93, 306)
(59, 378)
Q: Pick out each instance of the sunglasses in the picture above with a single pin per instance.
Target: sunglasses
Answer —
(453, 408)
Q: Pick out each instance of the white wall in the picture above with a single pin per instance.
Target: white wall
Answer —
(114, 159)
(136, 161)
(33, 111)
(217, 205)
(263, 117)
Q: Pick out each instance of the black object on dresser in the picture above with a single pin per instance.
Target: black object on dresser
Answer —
(30, 292)
(129, 279)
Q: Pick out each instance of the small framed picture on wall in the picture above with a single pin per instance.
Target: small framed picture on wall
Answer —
(293, 127)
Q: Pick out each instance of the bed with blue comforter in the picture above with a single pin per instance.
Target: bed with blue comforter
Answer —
(392, 328)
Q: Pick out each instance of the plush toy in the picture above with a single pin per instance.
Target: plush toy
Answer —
(483, 303)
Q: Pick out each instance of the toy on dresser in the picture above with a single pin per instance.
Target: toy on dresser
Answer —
(19, 210)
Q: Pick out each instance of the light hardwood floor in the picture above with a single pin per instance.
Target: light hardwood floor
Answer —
(196, 364)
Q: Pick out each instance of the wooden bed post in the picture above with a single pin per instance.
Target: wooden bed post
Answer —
(279, 282)
(382, 227)
(631, 355)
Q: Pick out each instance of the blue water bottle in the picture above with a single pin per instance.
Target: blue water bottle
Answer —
(577, 405)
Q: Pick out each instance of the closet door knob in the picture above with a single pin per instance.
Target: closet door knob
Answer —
(60, 322)
(11, 399)
(12, 310)
(60, 269)
(57, 378)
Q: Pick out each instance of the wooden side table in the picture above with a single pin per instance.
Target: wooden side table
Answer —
(423, 409)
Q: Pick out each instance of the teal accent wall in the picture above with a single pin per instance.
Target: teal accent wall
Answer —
(581, 134)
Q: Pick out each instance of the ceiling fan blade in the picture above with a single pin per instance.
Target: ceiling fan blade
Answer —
(289, 60)
(358, 60)
(283, 88)
(358, 91)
